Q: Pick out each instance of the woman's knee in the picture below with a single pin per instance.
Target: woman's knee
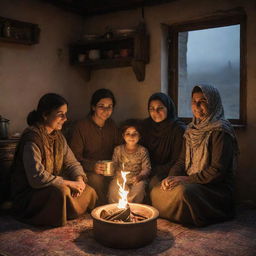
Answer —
(156, 193)
(89, 190)
(59, 190)
(180, 193)
(185, 191)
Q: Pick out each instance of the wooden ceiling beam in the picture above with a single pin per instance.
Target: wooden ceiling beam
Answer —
(97, 7)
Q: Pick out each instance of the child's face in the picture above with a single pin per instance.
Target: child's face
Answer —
(131, 136)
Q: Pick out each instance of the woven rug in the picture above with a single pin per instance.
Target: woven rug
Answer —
(236, 237)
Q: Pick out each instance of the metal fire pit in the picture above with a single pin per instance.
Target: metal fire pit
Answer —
(125, 235)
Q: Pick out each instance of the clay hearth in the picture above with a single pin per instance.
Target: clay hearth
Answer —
(125, 235)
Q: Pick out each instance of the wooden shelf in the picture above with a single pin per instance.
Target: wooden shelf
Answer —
(18, 32)
(102, 40)
(106, 63)
(110, 52)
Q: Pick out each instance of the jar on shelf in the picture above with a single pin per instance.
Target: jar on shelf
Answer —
(7, 29)
(94, 54)
(82, 57)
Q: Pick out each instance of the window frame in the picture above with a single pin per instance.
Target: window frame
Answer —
(209, 22)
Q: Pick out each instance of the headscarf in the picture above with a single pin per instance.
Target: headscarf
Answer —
(168, 103)
(161, 128)
(157, 137)
(198, 132)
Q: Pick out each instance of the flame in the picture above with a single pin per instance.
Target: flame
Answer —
(123, 202)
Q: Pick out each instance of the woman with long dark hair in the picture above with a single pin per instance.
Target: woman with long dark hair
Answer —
(48, 183)
(93, 140)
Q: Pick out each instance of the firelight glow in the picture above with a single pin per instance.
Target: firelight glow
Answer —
(122, 203)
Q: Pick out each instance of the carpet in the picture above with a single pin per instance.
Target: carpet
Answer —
(236, 237)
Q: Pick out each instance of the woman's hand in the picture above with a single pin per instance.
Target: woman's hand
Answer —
(77, 187)
(172, 181)
(165, 183)
(99, 168)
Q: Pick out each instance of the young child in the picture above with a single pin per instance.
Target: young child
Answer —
(133, 158)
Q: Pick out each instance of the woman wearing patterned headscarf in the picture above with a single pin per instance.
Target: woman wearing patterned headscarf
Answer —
(162, 134)
(199, 188)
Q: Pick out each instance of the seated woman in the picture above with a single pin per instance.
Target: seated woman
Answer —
(199, 188)
(162, 135)
(48, 183)
(94, 138)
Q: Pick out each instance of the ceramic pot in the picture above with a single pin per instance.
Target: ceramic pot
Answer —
(94, 54)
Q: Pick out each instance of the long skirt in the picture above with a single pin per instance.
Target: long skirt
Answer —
(194, 204)
(53, 205)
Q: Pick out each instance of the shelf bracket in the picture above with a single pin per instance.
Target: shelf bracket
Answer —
(139, 69)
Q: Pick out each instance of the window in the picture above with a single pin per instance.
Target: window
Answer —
(209, 52)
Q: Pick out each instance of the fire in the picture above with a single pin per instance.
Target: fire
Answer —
(123, 202)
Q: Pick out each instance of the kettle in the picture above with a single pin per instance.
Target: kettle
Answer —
(4, 128)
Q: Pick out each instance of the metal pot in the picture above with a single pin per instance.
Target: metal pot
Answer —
(4, 128)
(109, 168)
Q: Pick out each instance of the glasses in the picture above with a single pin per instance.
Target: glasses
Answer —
(134, 134)
(158, 109)
(104, 108)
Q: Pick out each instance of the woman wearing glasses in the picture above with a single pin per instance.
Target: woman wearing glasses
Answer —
(94, 138)
(162, 135)
(48, 183)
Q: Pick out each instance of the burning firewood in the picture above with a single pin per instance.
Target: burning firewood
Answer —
(119, 215)
(123, 212)
(137, 217)
(122, 215)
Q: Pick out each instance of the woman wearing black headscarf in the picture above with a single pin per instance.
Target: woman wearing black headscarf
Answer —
(199, 188)
(162, 134)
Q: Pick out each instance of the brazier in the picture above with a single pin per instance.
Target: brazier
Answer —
(125, 235)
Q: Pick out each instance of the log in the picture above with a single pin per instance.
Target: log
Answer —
(122, 215)
(119, 215)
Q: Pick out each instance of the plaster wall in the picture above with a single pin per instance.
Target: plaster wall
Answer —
(28, 72)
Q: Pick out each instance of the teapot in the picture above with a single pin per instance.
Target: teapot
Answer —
(3, 127)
